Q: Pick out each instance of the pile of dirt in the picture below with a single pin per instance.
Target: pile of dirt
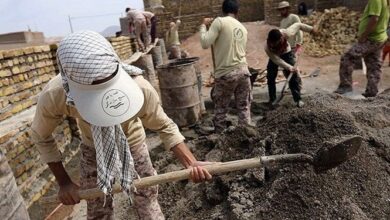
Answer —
(357, 189)
(338, 28)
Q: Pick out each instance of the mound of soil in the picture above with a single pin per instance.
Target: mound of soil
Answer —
(357, 189)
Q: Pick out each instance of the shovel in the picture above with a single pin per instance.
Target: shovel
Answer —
(327, 157)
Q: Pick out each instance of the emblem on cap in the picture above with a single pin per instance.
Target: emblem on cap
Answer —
(115, 103)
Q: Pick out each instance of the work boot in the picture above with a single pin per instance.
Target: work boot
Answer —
(343, 90)
(300, 104)
(368, 95)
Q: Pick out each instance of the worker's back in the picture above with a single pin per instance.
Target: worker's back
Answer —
(230, 45)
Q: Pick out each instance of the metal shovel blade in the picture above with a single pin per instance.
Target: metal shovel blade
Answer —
(331, 156)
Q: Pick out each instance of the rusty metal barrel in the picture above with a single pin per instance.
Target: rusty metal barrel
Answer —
(12, 205)
(179, 92)
(199, 78)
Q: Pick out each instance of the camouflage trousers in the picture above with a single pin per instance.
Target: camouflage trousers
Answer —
(145, 200)
(142, 32)
(371, 53)
(236, 82)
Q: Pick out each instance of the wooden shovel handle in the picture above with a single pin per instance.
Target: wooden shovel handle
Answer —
(216, 168)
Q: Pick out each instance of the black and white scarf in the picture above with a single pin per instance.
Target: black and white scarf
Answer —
(85, 57)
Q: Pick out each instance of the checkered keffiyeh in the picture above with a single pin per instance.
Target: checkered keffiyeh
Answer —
(85, 57)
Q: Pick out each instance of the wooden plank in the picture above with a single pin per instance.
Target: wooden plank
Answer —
(133, 58)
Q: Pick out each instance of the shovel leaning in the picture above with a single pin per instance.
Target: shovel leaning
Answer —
(327, 157)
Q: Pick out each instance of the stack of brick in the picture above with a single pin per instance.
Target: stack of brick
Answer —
(24, 159)
(122, 46)
(23, 73)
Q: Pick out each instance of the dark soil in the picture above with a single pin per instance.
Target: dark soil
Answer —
(357, 189)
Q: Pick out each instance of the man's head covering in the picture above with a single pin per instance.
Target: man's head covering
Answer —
(283, 4)
(85, 58)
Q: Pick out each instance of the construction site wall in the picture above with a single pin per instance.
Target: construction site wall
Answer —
(191, 12)
(23, 74)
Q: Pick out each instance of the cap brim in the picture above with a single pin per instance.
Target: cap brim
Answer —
(109, 103)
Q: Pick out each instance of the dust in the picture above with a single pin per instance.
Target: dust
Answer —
(357, 189)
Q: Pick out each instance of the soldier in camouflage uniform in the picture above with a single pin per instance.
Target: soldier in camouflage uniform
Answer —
(372, 37)
(228, 37)
(113, 145)
(145, 200)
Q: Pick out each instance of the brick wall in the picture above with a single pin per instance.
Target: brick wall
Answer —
(23, 73)
(122, 46)
(191, 17)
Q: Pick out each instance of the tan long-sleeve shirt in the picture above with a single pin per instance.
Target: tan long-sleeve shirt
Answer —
(52, 107)
(229, 38)
(286, 23)
(289, 32)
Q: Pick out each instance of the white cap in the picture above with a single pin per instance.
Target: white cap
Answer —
(283, 4)
(109, 103)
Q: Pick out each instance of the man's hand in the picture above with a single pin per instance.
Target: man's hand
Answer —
(316, 30)
(298, 49)
(207, 21)
(69, 194)
(294, 69)
(198, 173)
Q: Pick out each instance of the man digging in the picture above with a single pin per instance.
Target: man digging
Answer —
(112, 102)
(280, 54)
(372, 38)
(228, 38)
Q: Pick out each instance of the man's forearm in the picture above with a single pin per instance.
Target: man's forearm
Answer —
(184, 154)
(372, 23)
(58, 170)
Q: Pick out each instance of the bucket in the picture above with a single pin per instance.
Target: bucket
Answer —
(179, 92)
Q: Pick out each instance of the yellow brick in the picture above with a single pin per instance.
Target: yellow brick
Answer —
(10, 63)
(37, 49)
(1, 54)
(17, 108)
(15, 60)
(18, 52)
(8, 53)
(15, 70)
(8, 90)
(5, 73)
(5, 81)
(30, 59)
(28, 50)
(45, 48)
(21, 77)
(22, 59)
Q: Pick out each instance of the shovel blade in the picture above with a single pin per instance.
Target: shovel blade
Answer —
(331, 156)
